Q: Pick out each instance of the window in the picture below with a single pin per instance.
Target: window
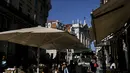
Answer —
(29, 10)
(29, 2)
(4, 23)
(9, 1)
(22, 1)
(28, 15)
(20, 7)
(105, 1)
(36, 4)
(41, 8)
(73, 29)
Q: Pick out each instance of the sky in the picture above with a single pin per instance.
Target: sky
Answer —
(67, 10)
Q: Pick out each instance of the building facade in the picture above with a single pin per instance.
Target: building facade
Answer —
(67, 28)
(16, 14)
(81, 31)
(103, 2)
(55, 24)
(112, 32)
(52, 24)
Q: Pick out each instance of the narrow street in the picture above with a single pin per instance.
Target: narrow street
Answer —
(64, 36)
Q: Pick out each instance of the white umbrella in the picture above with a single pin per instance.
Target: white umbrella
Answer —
(41, 37)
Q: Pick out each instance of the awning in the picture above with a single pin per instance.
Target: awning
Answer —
(110, 17)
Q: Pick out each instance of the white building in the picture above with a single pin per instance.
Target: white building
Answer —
(69, 55)
(52, 24)
(81, 32)
(57, 25)
(75, 29)
(52, 52)
(78, 29)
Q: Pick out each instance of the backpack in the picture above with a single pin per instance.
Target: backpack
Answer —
(95, 65)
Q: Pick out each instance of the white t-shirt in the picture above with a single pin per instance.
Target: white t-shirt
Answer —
(113, 65)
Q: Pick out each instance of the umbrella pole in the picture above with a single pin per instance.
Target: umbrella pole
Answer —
(38, 57)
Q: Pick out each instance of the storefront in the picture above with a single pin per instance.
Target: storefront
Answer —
(110, 20)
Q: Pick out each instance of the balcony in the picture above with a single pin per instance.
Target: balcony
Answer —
(17, 12)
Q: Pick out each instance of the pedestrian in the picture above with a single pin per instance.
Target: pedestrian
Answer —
(113, 66)
(64, 68)
(4, 64)
(46, 69)
(93, 65)
(56, 70)
(71, 67)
